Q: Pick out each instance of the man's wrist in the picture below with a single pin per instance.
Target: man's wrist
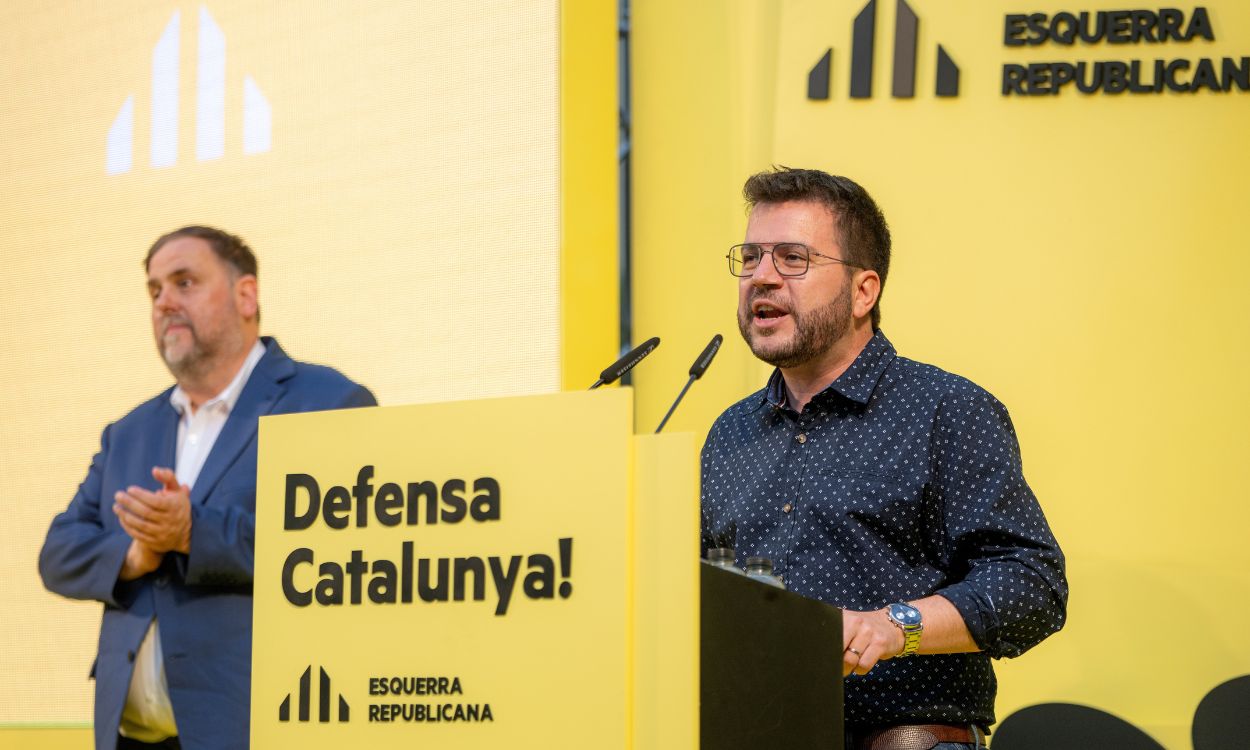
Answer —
(898, 641)
(139, 561)
(910, 624)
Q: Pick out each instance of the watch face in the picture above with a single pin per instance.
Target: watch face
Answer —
(905, 615)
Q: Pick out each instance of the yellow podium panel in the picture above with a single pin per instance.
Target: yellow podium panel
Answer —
(456, 575)
(666, 593)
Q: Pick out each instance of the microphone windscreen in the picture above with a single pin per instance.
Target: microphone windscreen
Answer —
(627, 362)
(709, 352)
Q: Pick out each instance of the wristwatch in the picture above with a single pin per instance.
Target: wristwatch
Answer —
(908, 620)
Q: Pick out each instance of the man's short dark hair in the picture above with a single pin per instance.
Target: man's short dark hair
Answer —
(861, 227)
(232, 250)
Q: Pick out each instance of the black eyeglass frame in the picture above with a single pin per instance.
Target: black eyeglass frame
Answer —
(761, 245)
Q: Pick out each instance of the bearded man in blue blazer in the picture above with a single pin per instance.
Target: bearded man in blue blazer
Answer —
(162, 529)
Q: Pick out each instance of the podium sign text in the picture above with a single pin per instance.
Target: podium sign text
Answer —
(448, 575)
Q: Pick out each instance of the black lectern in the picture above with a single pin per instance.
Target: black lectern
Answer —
(770, 667)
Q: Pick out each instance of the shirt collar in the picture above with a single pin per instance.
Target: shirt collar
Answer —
(856, 384)
(229, 395)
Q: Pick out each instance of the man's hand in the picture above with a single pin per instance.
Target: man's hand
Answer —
(870, 637)
(159, 521)
(867, 638)
(140, 560)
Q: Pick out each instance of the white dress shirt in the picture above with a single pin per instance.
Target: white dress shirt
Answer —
(148, 715)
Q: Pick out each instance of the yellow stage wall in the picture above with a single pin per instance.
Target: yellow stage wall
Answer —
(1082, 256)
(430, 189)
(435, 215)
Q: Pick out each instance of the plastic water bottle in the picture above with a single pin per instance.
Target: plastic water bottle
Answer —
(723, 557)
(761, 569)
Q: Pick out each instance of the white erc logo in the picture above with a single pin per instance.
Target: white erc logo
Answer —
(210, 104)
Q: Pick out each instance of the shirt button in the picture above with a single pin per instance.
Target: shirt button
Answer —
(193, 438)
(787, 508)
(801, 437)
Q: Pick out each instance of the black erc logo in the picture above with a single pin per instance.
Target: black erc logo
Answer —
(863, 31)
(305, 700)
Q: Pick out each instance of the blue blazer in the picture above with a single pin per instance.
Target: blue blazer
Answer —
(203, 599)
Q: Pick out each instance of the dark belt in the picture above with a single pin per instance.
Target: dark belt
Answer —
(125, 743)
(912, 736)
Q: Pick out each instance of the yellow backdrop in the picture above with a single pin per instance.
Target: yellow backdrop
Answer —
(1081, 256)
(430, 189)
(427, 219)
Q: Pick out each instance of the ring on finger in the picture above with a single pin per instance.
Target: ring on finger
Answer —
(855, 651)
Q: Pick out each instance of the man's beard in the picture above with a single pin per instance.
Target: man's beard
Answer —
(200, 355)
(815, 332)
(190, 361)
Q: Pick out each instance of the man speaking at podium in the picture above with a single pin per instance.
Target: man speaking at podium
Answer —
(880, 485)
(161, 530)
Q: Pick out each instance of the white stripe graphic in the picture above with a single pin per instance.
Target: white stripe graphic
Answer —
(165, 96)
(257, 119)
(119, 152)
(210, 102)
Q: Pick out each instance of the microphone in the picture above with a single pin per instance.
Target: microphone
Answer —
(696, 371)
(627, 362)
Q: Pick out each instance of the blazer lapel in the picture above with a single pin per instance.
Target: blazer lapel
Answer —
(260, 393)
(162, 447)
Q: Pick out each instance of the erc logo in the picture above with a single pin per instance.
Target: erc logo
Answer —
(906, 25)
(305, 700)
(210, 103)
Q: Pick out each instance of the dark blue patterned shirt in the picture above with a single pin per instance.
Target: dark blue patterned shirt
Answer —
(896, 482)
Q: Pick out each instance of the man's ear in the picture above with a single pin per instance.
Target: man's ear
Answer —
(245, 296)
(865, 290)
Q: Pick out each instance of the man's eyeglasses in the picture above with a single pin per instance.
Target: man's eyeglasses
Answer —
(789, 258)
